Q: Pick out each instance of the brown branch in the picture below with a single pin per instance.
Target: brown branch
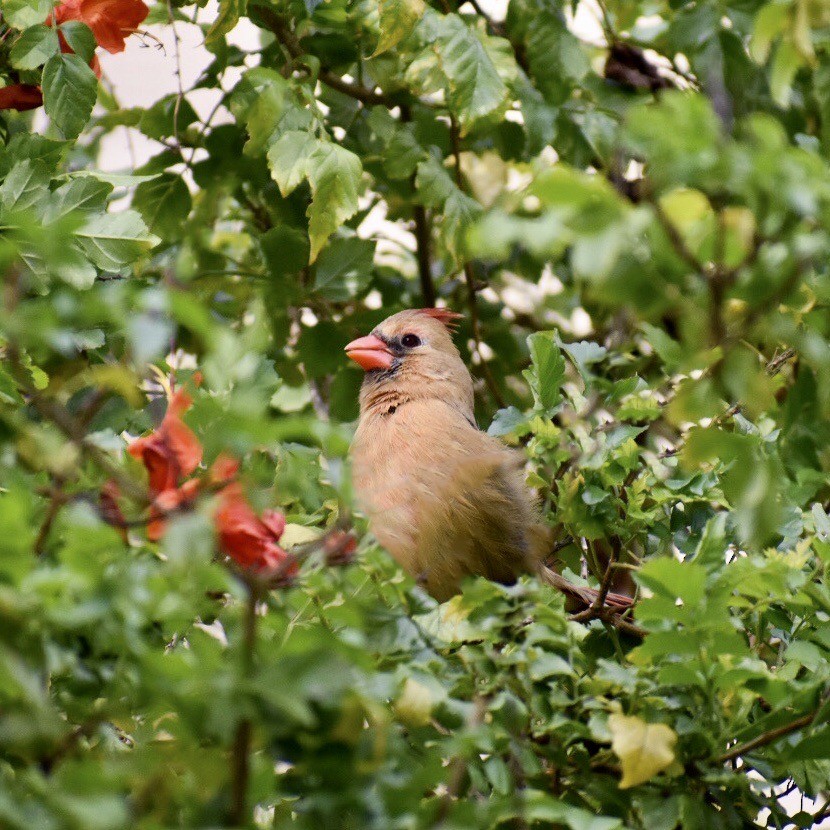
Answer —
(241, 749)
(607, 577)
(774, 366)
(70, 427)
(780, 293)
(676, 238)
(423, 236)
(717, 325)
(469, 277)
(422, 252)
(57, 500)
(767, 738)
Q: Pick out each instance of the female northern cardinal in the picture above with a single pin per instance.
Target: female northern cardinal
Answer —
(445, 499)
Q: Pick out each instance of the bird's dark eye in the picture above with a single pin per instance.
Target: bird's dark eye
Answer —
(410, 341)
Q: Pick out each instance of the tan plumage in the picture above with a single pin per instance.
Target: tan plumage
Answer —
(445, 499)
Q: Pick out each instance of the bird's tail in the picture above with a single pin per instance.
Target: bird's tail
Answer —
(582, 594)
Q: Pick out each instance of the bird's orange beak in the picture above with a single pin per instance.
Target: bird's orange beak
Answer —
(370, 352)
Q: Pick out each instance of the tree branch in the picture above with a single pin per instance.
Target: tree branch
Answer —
(422, 253)
(57, 500)
(469, 277)
(72, 429)
(767, 738)
(676, 238)
(423, 236)
(241, 749)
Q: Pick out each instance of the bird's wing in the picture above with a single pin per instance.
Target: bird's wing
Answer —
(477, 522)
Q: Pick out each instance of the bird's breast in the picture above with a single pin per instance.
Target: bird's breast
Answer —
(400, 462)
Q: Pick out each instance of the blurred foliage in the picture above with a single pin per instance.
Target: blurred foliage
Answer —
(634, 221)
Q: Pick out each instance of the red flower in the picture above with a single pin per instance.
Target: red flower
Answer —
(249, 540)
(170, 454)
(339, 547)
(223, 470)
(20, 97)
(111, 21)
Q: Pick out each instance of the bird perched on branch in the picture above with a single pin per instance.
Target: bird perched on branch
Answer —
(445, 499)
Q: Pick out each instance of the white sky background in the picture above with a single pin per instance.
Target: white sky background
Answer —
(143, 74)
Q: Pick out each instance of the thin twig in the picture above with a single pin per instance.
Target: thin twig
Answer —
(605, 585)
(423, 235)
(469, 277)
(241, 749)
(178, 72)
(57, 500)
(767, 737)
(676, 239)
(70, 427)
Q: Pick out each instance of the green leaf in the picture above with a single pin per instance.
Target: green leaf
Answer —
(115, 179)
(69, 92)
(506, 421)
(264, 115)
(288, 159)
(166, 116)
(476, 89)
(25, 187)
(344, 268)
(541, 807)
(547, 371)
(812, 747)
(24, 13)
(334, 175)
(113, 240)
(434, 183)
(674, 580)
(398, 19)
(584, 354)
(821, 522)
(229, 13)
(164, 204)
(668, 350)
(332, 171)
(770, 22)
(285, 250)
(786, 63)
(80, 38)
(34, 47)
(84, 193)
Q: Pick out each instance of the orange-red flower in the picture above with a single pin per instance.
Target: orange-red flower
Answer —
(249, 540)
(20, 97)
(170, 454)
(111, 21)
(339, 547)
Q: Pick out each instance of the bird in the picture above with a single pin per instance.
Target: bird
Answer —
(444, 498)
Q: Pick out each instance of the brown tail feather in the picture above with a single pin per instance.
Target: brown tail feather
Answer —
(583, 594)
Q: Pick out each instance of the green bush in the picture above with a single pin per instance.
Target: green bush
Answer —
(637, 233)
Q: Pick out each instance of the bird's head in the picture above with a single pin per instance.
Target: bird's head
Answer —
(411, 356)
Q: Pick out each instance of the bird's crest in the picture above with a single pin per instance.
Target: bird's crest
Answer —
(443, 315)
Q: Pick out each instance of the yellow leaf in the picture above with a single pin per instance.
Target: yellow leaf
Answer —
(298, 535)
(644, 749)
(414, 705)
(397, 20)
